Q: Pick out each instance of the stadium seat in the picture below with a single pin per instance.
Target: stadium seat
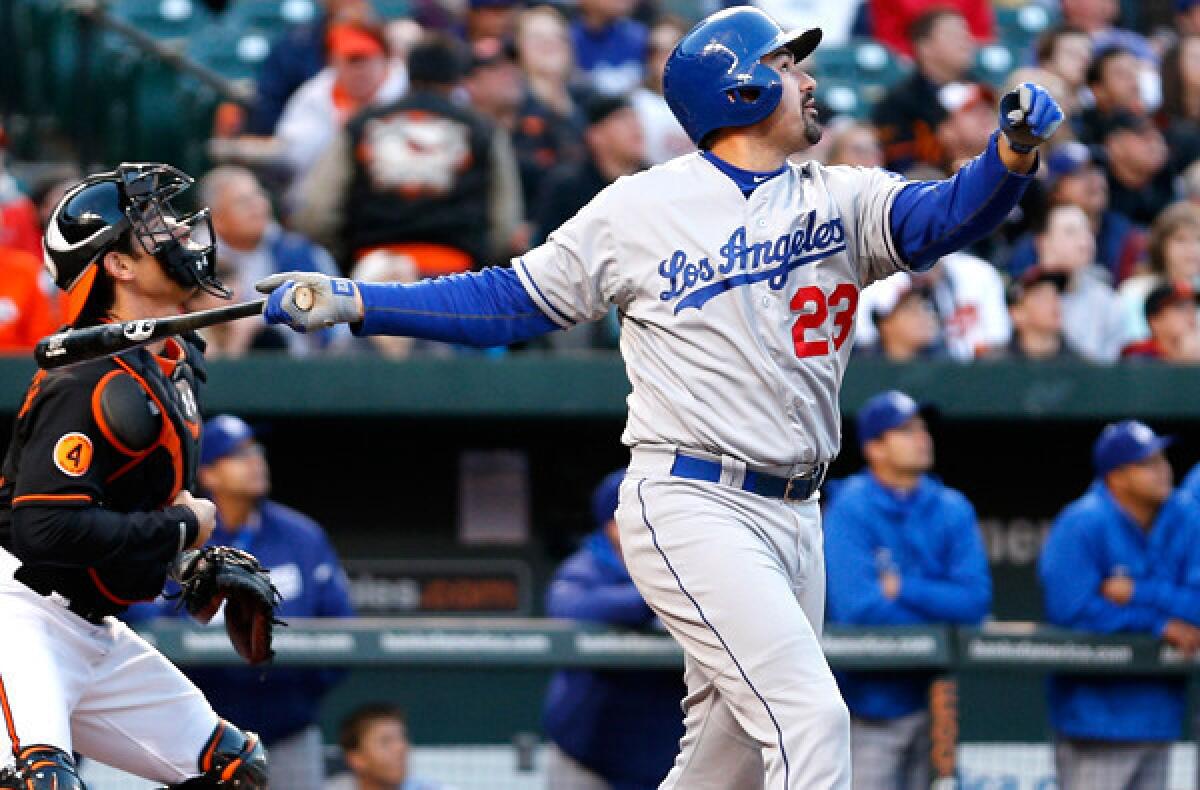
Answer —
(393, 9)
(270, 15)
(994, 62)
(842, 97)
(1018, 27)
(162, 18)
(232, 51)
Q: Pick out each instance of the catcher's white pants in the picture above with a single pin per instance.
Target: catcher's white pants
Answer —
(100, 690)
(739, 581)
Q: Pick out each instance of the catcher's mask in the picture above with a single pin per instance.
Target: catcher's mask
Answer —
(135, 199)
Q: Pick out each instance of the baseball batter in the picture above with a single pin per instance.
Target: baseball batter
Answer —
(737, 276)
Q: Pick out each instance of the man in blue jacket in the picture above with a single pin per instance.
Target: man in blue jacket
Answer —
(611, 730)
(900, 548)
(281, 702)
(1123, 557)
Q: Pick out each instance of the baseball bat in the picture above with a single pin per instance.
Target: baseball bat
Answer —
(72, 346)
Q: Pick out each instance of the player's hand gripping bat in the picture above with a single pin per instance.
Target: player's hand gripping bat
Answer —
(79, 345)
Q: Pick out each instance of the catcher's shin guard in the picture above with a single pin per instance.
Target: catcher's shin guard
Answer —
(42, 768)
(231, 760)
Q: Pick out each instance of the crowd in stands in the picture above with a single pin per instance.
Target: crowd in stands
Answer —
(455, 139)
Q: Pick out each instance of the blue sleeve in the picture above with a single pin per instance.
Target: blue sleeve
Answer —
(484, 309)
(1071, 577)
(1175, 597)
(854, 594)
(964, 595)
(575, 595)
(933, 218)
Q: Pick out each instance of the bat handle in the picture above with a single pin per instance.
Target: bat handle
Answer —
(303, 297)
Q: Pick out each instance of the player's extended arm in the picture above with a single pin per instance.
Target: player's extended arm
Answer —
(933, 218)
(486, 308)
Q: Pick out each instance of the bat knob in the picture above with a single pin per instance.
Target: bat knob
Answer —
(303, 297)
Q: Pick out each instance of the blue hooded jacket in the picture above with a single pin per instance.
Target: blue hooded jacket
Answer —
(277, 701)
(623, 725)
(930, 537)
(1092, 539)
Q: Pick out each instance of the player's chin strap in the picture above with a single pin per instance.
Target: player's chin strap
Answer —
(231, 760)
(41, 768)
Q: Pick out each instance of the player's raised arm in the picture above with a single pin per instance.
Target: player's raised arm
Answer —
(930, 219)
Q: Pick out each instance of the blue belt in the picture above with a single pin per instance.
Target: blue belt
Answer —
(790, 489)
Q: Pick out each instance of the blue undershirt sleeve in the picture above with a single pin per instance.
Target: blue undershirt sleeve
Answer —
(483, 309)
(934, 218)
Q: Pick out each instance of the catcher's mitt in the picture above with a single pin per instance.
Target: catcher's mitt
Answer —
(214, 574)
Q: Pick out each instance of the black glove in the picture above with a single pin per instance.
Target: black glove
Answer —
(214, 574)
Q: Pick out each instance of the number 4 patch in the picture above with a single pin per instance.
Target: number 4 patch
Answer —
(73, 454)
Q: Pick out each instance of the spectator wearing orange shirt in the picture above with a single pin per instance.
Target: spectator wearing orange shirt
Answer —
(28, 311)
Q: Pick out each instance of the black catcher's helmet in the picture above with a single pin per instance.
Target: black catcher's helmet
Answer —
(134, 199)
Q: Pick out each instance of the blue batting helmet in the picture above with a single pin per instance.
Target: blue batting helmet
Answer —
(713, 78)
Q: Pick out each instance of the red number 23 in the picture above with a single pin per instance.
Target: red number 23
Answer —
(814, 309)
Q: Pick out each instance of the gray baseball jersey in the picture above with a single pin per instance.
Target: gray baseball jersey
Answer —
(738, 312)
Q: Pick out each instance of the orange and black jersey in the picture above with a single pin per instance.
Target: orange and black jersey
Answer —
(99, 451)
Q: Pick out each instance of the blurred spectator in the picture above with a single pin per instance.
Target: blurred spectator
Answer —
(19, 225)
(969, 122)
(1174, 337)
(550, 125)
(900, 549)
(905, 323)
(665, 138)
(1098, 18)
(280, 705)
(491, 19)
(614, 729)
(1187, 17)
(1112, 77)
(1174, 256)
(1122, 559)
(1181, 100)
(909, 113)
(893, 21)
(615, 148)
(233, 339)
(1074, 178)
(251, 245)
(836, 20)
(28, 303)
(492, 83)
(1066, 51)
(1093, 323)
(374, 741)
(296, 57)
(610, 47)
(1140, 183)
(359, 75)
(1035, 306)
(966, 296)
(855, 144)
(422, 177)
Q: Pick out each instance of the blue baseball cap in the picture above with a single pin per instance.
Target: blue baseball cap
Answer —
(1127, 442)
(882, 413)
(1068, 159)
(223, 435)
(604, 498)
